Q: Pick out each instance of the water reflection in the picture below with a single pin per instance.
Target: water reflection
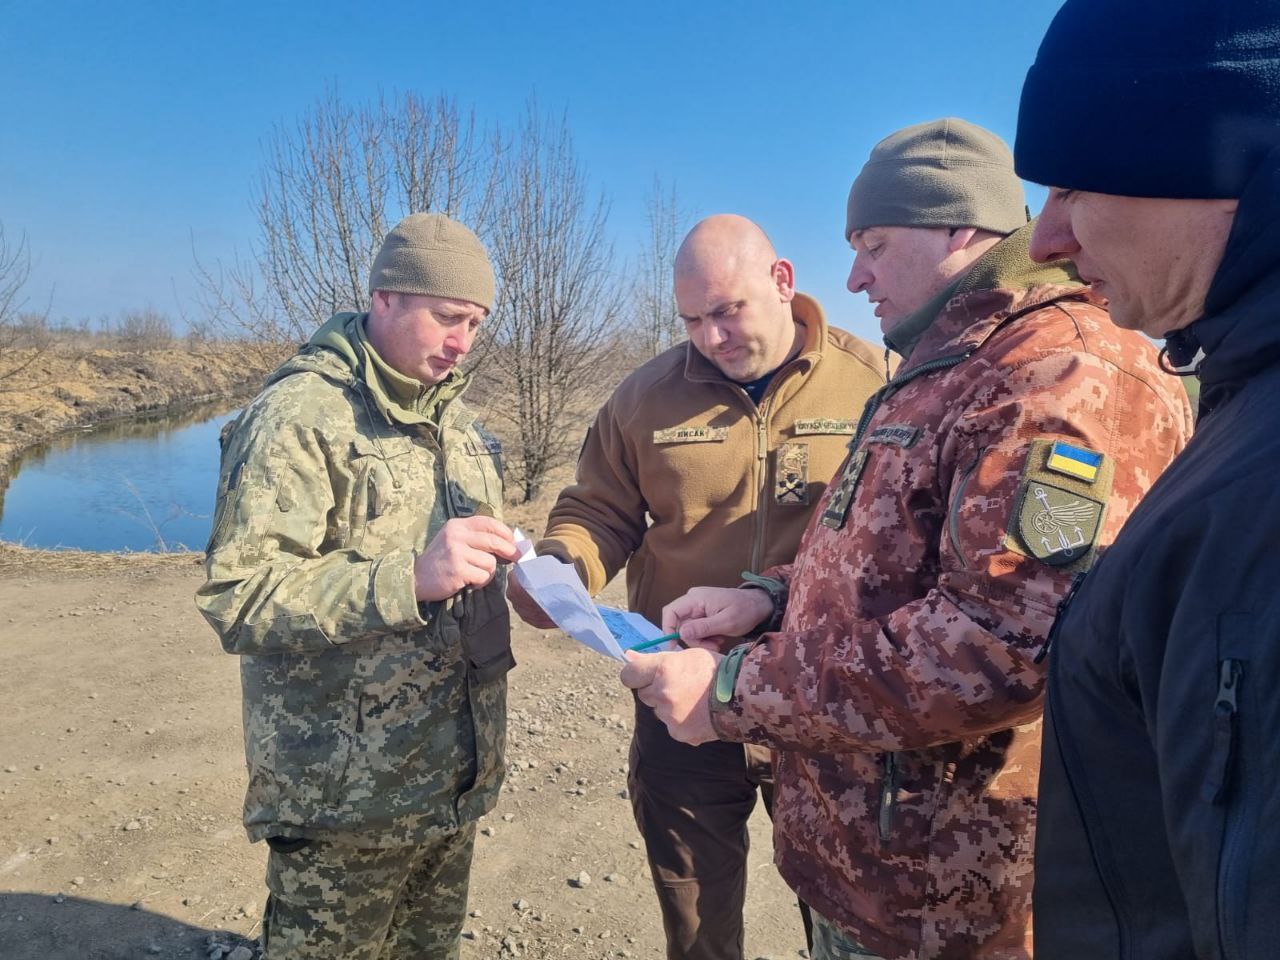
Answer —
(140, 484)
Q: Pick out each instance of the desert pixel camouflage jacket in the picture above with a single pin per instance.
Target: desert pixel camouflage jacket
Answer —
(904, 690)
(367, 718)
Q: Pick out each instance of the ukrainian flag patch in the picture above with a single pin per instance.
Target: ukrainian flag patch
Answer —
(1072, 461)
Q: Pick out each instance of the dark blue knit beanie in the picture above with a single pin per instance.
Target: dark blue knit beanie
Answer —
(1153, 98)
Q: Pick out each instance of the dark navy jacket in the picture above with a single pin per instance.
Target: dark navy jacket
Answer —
(1159, 817)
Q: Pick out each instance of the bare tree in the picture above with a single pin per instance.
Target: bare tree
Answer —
(24, 335)
(332, 185)
(329, 189)
(553, 324)
(653, 303)
(144, 329)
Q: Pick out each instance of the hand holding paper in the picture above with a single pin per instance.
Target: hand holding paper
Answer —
(556, 588)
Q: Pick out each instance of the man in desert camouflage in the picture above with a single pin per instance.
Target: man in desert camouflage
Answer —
(707, 460)
(353, 567)
(901, 677)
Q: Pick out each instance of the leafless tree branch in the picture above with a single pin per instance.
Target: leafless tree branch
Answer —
(24, 335)
(555, 321)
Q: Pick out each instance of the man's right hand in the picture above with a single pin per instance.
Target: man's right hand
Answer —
(707, 612)
(465, 553)
(526, 607)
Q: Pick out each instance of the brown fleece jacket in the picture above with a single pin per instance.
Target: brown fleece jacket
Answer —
(685, 481)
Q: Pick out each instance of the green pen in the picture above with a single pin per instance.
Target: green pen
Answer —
(656, 643)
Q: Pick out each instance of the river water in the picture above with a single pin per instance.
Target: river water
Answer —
(140, 484)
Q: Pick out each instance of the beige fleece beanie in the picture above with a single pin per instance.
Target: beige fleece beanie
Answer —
(430, 254)
(945, 173)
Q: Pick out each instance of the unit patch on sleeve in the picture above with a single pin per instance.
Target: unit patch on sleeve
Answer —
(1073, 461)
(1061, 503)
(691, 435)
(791, 474)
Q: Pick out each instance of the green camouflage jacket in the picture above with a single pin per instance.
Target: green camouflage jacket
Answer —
(366, 716)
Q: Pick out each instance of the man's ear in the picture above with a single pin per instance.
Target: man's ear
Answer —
(960, 238)
(784, 278)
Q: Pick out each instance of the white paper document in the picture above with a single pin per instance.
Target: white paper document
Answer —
(559, 591)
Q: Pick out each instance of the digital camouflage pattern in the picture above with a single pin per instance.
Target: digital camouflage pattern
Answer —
(330, 900)
(831, 943)
(903, 692)
(727, 484)
(367, 720)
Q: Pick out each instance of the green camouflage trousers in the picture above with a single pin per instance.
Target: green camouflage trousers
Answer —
(831, 943)
(330, 900)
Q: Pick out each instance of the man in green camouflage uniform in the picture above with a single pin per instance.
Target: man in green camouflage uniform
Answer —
(353, 566)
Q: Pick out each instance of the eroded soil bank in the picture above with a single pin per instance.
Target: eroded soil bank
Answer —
(70, 386)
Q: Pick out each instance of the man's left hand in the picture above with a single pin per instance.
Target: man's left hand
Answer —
(677, 686)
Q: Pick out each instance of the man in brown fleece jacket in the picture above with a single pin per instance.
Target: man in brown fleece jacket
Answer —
(705, 462)
(902, 688)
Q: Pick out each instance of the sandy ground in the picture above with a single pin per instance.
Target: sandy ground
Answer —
(121, 778)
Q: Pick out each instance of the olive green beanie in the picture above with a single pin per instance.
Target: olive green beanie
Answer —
(430, 254)
(945, 173)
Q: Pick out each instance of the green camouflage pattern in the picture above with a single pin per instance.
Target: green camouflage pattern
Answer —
(366, 719)
(331, 900)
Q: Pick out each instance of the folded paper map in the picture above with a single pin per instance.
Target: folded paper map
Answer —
(559, 591)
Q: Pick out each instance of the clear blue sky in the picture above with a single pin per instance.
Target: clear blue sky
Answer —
(132, 127)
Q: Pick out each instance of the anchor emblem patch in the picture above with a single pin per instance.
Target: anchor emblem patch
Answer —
(1056, 525)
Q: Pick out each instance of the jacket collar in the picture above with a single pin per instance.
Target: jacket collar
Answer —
(805, 310)
(1240, 331)
(1003, 284)
(340, 351)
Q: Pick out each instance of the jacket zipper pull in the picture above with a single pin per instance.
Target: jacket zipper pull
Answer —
(1058, 616)
(1225, 708)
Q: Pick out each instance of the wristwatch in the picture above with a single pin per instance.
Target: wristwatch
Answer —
(726, 678)
(777, 591)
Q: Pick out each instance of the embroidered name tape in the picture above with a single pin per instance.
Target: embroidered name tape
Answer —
(691, 435)
(824, 425)
(897, 434)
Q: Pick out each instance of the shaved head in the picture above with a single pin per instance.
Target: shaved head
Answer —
(724, 243)
(734, 294)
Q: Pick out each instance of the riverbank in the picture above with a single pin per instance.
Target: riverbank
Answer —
(73, 385)
(122, 777)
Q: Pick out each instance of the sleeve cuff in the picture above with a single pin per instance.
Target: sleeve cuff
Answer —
(777, 591)
(393, 591)
(733, 720)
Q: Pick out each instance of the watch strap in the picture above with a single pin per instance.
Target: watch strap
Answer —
(726, 678)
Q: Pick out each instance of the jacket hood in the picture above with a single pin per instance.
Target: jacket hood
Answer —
(329, 352)
(1240, 330)
(1006, 266)
(340, 351)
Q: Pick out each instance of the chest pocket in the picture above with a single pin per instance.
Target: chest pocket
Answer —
(475, 473)
(387, 474)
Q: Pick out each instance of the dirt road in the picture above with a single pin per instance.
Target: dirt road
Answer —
(121, 778)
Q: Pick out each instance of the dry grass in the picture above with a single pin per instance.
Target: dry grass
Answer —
(16, 559)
